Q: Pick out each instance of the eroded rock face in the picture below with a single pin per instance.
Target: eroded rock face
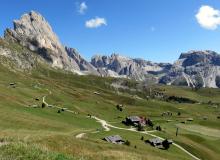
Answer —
(199, 58)
(15, 57)
(195, 68)
(118, 65)
(83, 65)
(35, 33)
(127, 67)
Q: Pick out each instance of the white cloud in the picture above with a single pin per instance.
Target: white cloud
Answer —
(96, 22)
(82, 8)
(208, 17)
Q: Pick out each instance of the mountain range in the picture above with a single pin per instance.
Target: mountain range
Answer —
(32, 42)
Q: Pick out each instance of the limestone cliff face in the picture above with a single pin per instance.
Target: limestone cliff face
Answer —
(195, 68)
(84, 66)
(121, 66)
(35, 33)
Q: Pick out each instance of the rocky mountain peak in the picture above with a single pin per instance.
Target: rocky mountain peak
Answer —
(200, 57)
(197, 53)
(195, 68)
(83, 65)
(34, 32)
(127, 67)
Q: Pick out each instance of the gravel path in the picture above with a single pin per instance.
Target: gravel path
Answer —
(81, 135)
(107, 127)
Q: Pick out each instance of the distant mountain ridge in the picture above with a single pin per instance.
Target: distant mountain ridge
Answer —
(195, 68)
(128, 67)
(35, 42)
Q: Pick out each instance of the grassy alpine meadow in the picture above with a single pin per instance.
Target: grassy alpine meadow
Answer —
(30, 130)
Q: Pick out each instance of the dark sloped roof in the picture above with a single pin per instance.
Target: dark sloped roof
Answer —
(113, 139)
(134, 118)
(155, 140)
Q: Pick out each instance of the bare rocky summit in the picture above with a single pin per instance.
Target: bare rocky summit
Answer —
(121, 66)
(35, 33)
(196, 69)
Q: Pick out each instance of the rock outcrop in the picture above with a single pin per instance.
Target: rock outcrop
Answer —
(196, 69)
(121, 66)
(84, 66)
(35, 33)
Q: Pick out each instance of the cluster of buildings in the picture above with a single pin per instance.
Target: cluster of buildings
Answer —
(139, 121)
(159, 143)
(136, 121)
(155, 142)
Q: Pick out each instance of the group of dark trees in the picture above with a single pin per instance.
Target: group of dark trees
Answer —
(119, 107)
(60, 110)
(166, 144)
(180, 99)
(127, 143)
(140, 127)
(158, 128)
(150, 123)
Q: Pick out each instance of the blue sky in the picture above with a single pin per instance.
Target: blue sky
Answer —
(157, 30)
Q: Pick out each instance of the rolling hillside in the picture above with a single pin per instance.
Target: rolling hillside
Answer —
(29, 131)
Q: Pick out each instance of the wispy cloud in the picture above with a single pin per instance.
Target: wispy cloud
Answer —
(82, 8)
(96, 22)
(208, 17)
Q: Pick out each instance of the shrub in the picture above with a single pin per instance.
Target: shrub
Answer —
(127, 143)
(158, 128)
(140, 127)
(150, 123)
(166, 144)
(43, 105)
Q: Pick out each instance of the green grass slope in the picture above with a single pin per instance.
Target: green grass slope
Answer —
(30, 132)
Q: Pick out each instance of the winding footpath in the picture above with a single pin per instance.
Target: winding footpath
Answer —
(107, 127)
(81, 135)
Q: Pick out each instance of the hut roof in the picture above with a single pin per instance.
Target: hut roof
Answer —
(113, 139)
(134, 118)
(155, 140)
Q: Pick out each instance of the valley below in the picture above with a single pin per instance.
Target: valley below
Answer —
(43, 112)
